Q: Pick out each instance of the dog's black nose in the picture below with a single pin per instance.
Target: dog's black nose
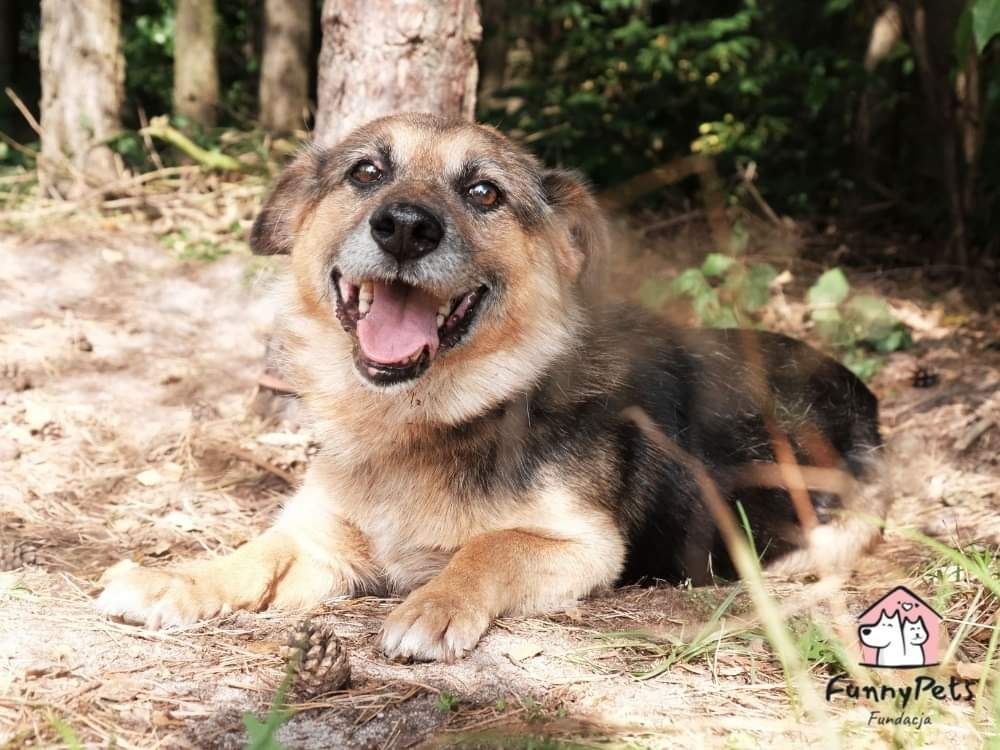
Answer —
(406, 231)
(866, 631)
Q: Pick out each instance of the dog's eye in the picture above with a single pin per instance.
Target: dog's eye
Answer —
(483, 194)
(365, 173)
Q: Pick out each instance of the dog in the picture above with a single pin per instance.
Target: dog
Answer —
(499, 436)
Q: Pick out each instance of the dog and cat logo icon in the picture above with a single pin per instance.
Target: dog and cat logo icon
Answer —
(899, 630)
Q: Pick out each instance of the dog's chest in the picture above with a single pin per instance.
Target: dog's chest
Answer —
(414, 517)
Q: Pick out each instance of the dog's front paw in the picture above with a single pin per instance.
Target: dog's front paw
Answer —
(159, 598)
(434, 624)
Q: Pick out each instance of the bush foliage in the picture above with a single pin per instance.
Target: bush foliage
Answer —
(620, 85)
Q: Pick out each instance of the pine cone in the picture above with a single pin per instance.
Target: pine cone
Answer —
(924, 377)
(317, 660)
(14, 555)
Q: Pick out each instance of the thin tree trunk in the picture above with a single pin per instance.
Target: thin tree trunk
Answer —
(196, 72)
(930, 25)
(969, 92)
(284, 73)
(83, 76)
(874, 110)
(384, 56)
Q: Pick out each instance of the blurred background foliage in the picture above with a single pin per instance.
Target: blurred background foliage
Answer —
(628, 83)
(617, 87)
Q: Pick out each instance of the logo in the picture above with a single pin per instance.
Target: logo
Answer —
(900, 630)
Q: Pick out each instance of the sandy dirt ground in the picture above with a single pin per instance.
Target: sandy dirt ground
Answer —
(127, 432)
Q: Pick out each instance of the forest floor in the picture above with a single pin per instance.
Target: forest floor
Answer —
(127, 431)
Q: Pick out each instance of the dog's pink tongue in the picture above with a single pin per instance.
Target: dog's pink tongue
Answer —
(401, 321)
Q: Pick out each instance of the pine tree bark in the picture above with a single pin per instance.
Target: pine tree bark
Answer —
(384, 56)
(83, 77)
(196, 71)
(284, 73)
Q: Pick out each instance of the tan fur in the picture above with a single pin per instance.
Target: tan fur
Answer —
(376, 512)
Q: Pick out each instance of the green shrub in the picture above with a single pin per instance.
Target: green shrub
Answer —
(617, 86)
(860, 327)
(727, 291)
(724, 292)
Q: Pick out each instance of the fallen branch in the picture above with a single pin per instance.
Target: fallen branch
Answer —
(23, 109)
(160, 128)
(261, 463)
(973, 433)
(747, 176)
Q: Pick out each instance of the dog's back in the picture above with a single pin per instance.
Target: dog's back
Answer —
(741, 404)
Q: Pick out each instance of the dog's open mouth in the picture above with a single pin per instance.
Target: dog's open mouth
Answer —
(400, 328)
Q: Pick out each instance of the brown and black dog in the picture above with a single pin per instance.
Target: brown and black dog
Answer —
(472, 388)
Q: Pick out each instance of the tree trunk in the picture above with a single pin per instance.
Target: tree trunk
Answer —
(284, 72)
(384, 56)
(930, 26)
(196, 72)
(83, 77)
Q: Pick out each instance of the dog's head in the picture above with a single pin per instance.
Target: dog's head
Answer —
(446, 255)
(886, 632)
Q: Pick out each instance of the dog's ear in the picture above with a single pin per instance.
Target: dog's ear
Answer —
(295, 191)
(576, 209)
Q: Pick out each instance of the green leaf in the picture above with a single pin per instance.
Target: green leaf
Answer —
(871, 320)
(864, 366)
(827, 315)
(870, 315)
(690, 283)
(724, 317)
(834, 332)
(985, 22)
(716, 264)
(894, 341)
(706, 306)
(755, 291)
(829, 290)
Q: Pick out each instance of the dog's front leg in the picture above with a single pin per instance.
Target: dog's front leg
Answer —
(507, 572)
(309, 554)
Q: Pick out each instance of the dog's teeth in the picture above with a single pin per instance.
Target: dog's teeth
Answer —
(367, 292)
(440, 320)
(444, 309)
